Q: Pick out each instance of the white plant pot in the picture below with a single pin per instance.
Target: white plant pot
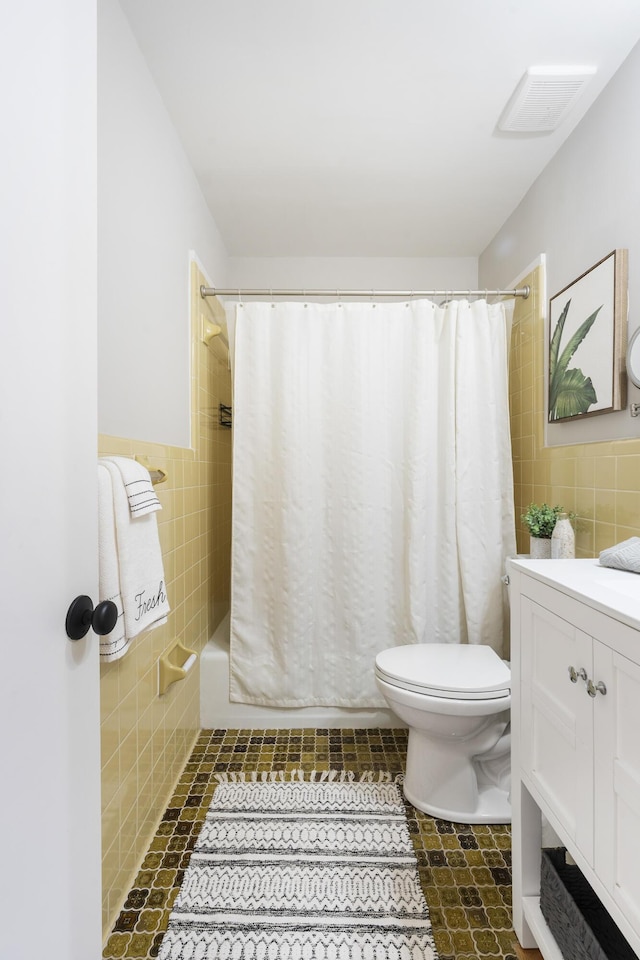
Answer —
(539, 548)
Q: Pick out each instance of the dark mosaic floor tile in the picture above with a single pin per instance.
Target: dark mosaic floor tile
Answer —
(126, 921)
(464, 870)
(136, 899)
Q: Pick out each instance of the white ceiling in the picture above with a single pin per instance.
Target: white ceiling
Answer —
(366, 127)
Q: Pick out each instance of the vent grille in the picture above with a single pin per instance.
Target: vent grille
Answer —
(543, 98)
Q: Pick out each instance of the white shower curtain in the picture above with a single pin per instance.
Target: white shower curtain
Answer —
(373, 500)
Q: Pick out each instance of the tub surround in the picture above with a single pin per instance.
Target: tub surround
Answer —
(217, 710)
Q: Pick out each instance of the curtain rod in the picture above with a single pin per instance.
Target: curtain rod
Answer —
(363, 294)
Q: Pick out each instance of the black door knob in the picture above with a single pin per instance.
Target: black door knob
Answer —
(81, 616)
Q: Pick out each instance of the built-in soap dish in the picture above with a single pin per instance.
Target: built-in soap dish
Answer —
(174, 665)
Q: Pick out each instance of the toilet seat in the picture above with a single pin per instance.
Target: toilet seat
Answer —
(451, 670)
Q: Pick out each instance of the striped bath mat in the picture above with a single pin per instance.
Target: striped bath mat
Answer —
(302, 870)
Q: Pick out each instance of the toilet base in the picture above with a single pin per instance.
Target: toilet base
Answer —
(492, 806)
(446, 780)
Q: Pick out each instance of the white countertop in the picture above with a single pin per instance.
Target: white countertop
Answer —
(614, 592)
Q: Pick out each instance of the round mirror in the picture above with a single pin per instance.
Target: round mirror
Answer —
(633, 358)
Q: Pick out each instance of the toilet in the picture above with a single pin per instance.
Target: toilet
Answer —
(455, 699)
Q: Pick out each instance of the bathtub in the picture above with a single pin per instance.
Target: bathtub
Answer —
(217, 711)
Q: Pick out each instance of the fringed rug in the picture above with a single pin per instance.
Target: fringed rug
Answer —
(321, 868)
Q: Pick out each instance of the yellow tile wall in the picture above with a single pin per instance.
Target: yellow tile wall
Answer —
(600, 482)
(146, 739)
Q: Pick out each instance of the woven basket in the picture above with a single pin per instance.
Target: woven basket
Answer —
(580, 924)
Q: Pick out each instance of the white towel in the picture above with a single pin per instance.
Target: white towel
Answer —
(114, 645)
(138, 565)
(137, 483)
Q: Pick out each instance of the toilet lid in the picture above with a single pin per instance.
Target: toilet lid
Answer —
(453, 670)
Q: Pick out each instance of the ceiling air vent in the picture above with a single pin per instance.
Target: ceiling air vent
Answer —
(543, 98)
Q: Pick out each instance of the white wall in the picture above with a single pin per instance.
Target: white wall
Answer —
(383, 273)
(151, 212)
(585, 204)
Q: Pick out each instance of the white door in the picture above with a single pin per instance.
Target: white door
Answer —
(617, 762)
(49, 687)
(557, 718)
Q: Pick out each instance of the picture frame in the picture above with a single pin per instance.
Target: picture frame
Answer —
(587, 342)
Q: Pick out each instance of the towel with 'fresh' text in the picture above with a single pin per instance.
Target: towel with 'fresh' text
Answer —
(138, 563)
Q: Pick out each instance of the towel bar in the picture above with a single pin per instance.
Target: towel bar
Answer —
(174, 665)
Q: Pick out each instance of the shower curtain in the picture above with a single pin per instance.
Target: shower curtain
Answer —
(373, 499)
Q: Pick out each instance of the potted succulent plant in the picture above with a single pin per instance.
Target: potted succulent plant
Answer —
(540, 519)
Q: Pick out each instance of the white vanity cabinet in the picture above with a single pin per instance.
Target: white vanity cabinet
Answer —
(575, 657)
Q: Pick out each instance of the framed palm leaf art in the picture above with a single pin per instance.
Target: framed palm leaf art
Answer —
(587, 340)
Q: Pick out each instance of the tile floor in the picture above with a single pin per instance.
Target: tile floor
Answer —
(465, 870)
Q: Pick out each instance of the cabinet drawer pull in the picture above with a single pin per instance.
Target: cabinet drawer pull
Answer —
(594, 688)
(574, 674)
